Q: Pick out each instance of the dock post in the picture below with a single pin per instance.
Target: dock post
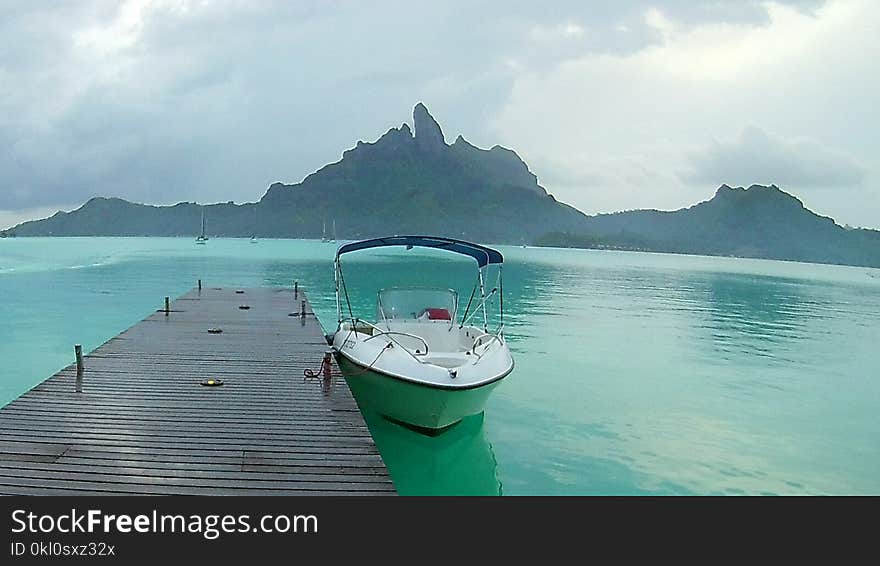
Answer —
(167, 305)
(200, 285)
(78, 350)
(295, 290)
(326, 365)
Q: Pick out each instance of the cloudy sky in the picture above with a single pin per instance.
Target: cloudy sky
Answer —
(614, 105)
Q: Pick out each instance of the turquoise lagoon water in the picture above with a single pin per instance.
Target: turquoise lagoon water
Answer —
(636, 373)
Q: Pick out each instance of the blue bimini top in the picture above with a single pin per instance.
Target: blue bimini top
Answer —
(482, 254)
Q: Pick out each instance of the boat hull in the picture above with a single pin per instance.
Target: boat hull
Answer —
(429, 409)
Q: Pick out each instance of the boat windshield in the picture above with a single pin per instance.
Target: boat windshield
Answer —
(417, 303)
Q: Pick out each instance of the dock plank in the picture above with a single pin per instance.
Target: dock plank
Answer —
(144, 424)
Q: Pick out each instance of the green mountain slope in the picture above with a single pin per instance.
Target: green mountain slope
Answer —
(760, 222)
(405, 182)
(410, 181)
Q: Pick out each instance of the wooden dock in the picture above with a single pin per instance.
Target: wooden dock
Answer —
(145, 424)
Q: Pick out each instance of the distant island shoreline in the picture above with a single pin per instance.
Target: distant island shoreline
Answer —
(411, 181)
(534, 246)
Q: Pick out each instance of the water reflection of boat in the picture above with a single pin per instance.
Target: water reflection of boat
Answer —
(460, 461)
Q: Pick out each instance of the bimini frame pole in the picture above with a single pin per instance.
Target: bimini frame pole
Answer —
(336, 281)
(483, 300)
(501, 294)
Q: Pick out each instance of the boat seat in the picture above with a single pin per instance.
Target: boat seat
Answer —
(436, 314)
(446, 359)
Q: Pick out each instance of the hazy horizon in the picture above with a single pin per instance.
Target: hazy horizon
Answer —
(636, 105)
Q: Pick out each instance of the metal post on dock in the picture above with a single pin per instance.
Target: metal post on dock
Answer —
(327, 364)
(296, 290)
(78, 350)
(167, 305)
(200, 285)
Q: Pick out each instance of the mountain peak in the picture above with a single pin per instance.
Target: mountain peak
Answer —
(766, 197)
(428, 135)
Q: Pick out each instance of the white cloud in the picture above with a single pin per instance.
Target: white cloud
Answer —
(609, 131)
(656, 19)
(120, 32)
(565, 30)
(168, 100)
(759, 157)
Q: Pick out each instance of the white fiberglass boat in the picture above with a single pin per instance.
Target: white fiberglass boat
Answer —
(421, 362)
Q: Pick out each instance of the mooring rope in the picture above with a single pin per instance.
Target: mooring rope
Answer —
(328, 371)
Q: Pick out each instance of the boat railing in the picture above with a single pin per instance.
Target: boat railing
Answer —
(390, 335)
(493, 336)
(394, 332)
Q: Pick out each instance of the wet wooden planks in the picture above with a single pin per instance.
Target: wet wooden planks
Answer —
(144, 424)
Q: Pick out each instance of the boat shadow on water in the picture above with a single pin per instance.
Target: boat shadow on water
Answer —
(458, 461)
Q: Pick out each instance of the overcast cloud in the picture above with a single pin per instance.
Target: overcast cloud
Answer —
(756, 156)
(632, 104)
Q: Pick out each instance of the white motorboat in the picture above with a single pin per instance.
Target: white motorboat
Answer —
(422, 362)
